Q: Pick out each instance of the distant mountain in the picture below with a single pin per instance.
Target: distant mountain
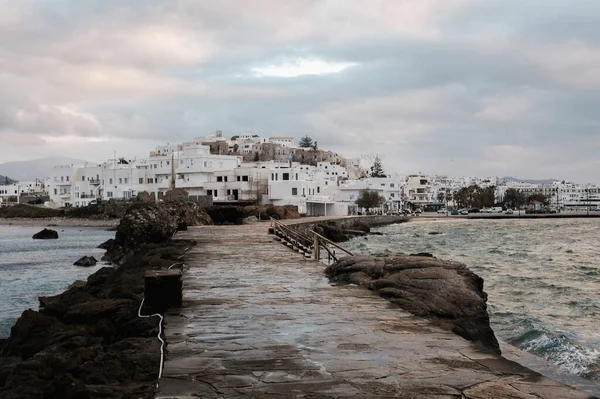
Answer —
(5, 180)
(35, 168)
(530, 181)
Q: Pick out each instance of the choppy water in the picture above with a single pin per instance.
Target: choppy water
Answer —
(31, 268)
(542, 278)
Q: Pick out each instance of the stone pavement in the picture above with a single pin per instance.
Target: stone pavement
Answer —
(259, 321)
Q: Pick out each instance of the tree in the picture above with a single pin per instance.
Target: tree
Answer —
(513, 198)
(541, 198)
(441, 196)
(236, 148)
(377, 168)
(369, 199)
(305, 142)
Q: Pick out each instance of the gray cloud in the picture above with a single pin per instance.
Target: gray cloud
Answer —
(468, 87)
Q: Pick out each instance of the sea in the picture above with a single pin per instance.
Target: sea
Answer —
(542, 278)
(32, 268)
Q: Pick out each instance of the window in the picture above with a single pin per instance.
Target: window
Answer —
(150, 181)
(168, 163)
(244, 178)
(228, 192)
(141, 180)
(225, 178)
(219, 178)
(392, 195)
(109, 194)
(125, 180)
(272, 176)
(208, 192)
(294, 191)
(318, 190)
(285, 176)
(82, 178)
(55, 193)
(120, 180)
(239, 178)
(303, 192)
(296, 176)
(67, 178)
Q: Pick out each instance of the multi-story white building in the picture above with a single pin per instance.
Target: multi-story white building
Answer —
(20, 191)
(390, 188)
(285, 141)
(418, 190)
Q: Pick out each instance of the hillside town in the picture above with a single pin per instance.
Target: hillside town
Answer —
(249, 169)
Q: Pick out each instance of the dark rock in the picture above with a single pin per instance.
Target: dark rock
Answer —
(46, 234)
(182, 226)
(107, 244)
(434, 233)
(88, 341)
(236, 214)
(331, 231)
(29, 211)
(423, 254)
(86, 261)
(445, 291)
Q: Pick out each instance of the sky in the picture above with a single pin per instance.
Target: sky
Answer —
(455, 87)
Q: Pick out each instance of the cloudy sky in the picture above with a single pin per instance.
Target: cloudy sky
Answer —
(459, 87)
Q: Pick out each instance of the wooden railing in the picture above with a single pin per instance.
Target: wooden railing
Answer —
(314, 241)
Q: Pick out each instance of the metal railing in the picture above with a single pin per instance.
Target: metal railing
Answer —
(313, 242)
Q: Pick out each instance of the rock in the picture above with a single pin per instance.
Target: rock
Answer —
(331, 231)
(250, 220)
(29, 211)
(46, 234)
(88, 342)
(236, 214)
(86, 261)
(107, 244)
(434, 233)
(182, 226)
(446, 291)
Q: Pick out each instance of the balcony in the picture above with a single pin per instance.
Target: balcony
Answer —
(94, 182)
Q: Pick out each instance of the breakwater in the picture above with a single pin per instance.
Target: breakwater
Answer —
(90, 340)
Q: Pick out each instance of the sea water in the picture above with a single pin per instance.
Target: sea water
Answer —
(32, 268)
(542, 278)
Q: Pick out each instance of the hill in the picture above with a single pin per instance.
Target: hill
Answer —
(5, 180)
(35, 168)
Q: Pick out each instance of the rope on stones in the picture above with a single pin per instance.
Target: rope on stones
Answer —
(162, 342)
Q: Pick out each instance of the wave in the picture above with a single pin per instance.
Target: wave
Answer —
(562, 349)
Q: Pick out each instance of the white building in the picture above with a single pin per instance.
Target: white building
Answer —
(285, 141)
(390, 188)
(418, 190)
(17, 192)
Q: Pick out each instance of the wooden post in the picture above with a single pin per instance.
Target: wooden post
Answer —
(317, 249)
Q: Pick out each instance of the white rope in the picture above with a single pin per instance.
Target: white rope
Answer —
(177, 263)
(162, 343)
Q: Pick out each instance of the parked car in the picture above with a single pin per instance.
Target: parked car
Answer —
(442, 211)
(463, 212)
(454, 212)
(509, 211)
(473, 210)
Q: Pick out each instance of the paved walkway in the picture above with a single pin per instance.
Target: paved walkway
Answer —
(259, 321)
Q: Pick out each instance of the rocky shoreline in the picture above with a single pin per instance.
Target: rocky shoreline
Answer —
(446, 292)
(89, 342)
